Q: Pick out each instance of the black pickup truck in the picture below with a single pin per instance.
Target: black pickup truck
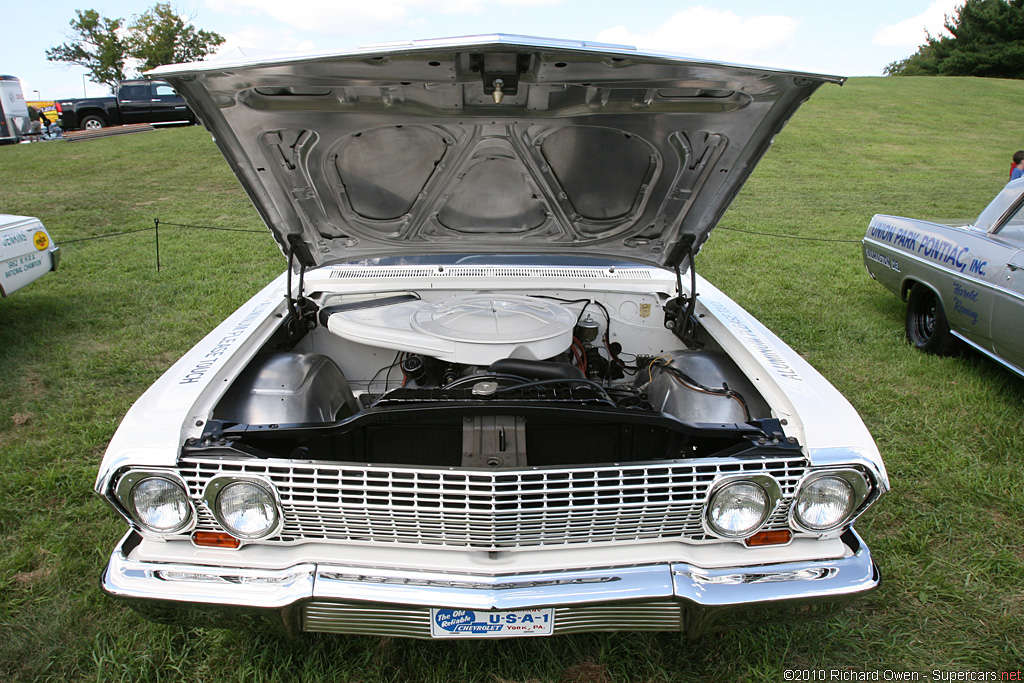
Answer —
(137, 101)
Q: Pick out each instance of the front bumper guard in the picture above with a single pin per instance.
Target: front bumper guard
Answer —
(320, 597)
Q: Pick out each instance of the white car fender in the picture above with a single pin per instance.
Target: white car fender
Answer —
(178, 404)
(818, 415)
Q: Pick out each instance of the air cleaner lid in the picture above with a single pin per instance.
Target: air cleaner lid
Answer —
(475, 329)
(493, 319)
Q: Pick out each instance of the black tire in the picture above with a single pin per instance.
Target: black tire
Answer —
(91, 122)
(927, 328)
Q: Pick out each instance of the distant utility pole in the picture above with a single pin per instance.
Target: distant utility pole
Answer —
(83, 85)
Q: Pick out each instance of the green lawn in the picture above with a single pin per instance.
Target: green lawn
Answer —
(77, 347)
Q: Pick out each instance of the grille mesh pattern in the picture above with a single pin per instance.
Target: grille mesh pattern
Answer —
(414, 622)
(490, 510)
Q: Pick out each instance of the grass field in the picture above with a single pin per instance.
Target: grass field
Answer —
(77, 347)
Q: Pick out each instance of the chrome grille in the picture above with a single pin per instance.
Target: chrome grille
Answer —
(371, 620)
(414, 622)
(490, 510)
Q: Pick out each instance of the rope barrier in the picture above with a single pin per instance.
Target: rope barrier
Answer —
(156, 230)
(157, 223)
(210, 227)
(790, 237)
(99, 237)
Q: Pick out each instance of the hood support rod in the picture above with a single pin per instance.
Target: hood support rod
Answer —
(690, 322)
(301, 311)
(679, 312)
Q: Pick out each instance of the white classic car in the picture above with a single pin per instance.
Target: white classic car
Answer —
(26, 252)
(490, 397)
(963, 284)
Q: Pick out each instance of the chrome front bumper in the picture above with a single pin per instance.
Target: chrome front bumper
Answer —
(652, 597)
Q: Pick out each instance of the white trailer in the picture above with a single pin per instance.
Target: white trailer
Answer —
(14, 120)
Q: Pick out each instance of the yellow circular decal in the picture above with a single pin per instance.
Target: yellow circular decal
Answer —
(41, 240)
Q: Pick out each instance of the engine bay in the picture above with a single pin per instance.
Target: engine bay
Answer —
(510, 378)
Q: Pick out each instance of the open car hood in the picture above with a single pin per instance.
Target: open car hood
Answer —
(491, 144)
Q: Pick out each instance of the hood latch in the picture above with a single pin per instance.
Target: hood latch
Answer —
(500, 72)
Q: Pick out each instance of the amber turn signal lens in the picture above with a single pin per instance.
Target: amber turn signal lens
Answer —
(777, 537)
(215, 539)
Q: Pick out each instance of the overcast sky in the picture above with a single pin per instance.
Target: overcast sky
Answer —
(846, 39)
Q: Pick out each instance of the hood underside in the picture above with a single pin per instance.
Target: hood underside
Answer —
(494, 144)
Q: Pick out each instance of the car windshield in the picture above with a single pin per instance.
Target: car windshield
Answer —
(999, 206)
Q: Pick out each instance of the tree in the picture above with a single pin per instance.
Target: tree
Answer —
(918, 64)
(160, 36)
(986, 38)
(96, 44)
(157, 36)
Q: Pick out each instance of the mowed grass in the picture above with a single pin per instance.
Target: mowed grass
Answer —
(77, 347)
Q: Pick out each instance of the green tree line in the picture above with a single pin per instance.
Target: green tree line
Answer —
(157, 36)
(986, 38)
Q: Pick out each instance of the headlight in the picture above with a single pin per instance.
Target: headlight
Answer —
(160, 505)
(825, 502)
(738, 509)
(246, 509)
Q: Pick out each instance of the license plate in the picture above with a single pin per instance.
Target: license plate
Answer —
(467, 623)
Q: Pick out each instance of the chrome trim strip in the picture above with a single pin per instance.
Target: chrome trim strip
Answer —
(799, 581)
(407, 580)
(824, 458)
(773, 577)
(498, 593)
(490, 272)
(1004, 218)
(196, 584)
(989, 354)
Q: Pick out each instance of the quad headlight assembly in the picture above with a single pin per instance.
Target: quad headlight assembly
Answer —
(827, 500)
(248, 508)
(156, 501)
(738, 506)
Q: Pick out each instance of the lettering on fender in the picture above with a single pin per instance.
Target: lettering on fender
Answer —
(901, 237)
(9, 239)
(222, 346)
(890, 263)
(962, 297)
(935, 248)
(21, 265)
(755, 342)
